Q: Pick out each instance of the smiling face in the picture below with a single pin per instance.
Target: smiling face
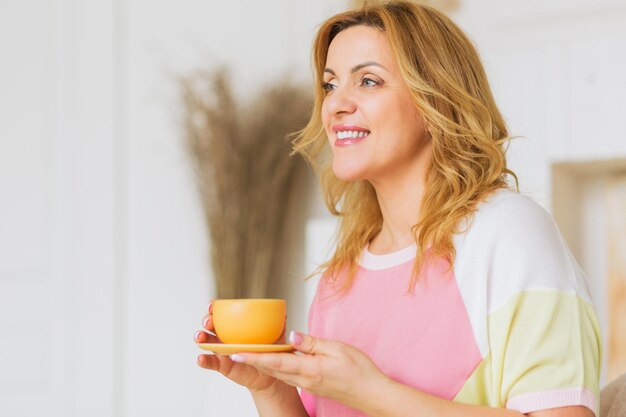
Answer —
(373, 126)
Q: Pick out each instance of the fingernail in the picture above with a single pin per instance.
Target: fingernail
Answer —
(197, 335)
(237, 358)
(205, 323)
(295, 338)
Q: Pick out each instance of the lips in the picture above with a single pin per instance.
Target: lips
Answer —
(349, 135)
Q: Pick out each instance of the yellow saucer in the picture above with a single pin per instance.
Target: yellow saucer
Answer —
(230, 348)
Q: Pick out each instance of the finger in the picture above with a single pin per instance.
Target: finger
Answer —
(296, 370)
(303, 343)
(209, 308)
(290, 379)
(271, 362)
(204, 337)
(207, 323)
(311, 345)
(219, 363)
(208, 362)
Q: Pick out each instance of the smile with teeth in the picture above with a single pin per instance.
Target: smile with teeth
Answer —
(351, 134)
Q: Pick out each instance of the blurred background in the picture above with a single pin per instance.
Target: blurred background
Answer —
(104, 267)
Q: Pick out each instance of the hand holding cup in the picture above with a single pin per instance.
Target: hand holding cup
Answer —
(241, 322)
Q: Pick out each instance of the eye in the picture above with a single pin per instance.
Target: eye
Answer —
(369, 82)
(328, 87)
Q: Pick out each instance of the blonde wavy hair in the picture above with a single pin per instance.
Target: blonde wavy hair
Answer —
(448, 84)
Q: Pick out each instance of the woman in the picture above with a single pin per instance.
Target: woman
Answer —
(448, 294)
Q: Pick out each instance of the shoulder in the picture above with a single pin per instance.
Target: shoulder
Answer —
(514, 244)
(510, 219)
(507, 211)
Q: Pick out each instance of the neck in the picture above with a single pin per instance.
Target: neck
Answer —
(399, 198)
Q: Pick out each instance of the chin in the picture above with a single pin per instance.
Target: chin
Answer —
(348, 173)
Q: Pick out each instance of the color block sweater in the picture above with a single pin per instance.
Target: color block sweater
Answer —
(510, 325)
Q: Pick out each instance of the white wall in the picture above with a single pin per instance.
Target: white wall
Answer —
(556, 69)
(557, 72)
(103, 273)
(58, 229)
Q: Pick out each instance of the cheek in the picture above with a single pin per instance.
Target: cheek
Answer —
(325, 117)
(324, 113)
(411, 121)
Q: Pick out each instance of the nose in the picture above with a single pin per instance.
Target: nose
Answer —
(340, 101)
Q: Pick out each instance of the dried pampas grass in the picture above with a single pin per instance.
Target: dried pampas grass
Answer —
(244, 171)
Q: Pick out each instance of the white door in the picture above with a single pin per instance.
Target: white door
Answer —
(58, 214)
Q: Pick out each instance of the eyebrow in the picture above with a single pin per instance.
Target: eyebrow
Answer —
(358, 67)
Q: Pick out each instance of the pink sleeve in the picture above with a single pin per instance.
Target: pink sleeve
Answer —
(308, 400)
(314, 311)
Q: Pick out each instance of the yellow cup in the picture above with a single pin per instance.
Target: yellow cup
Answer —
(249, 321)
